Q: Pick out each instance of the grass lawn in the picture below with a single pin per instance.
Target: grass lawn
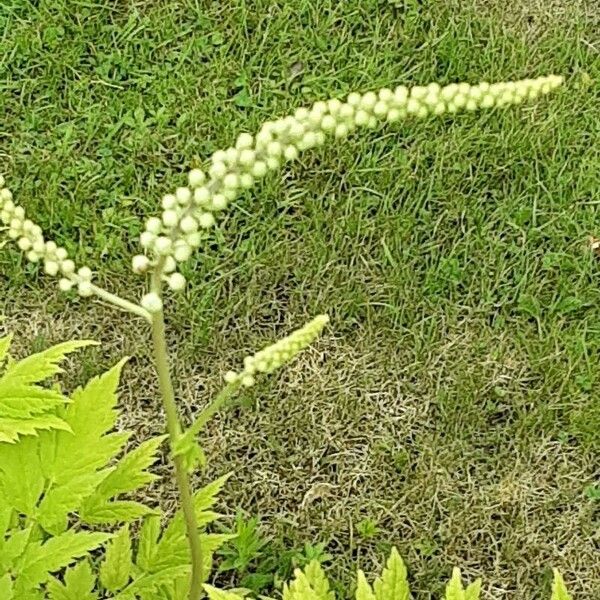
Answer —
(452, 406)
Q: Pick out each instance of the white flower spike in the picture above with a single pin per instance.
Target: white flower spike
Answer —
(236, 169)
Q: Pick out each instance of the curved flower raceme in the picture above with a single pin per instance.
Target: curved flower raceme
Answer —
(274, 356)
(173, 237)
(30, 240)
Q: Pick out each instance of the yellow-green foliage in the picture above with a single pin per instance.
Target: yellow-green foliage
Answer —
(312, 584)
(61, 467)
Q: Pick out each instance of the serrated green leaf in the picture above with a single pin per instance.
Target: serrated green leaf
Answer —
(318, 581)
(40, 366)
(90, 415)
(79, 584)
(299, 588)
(393, 583)
(473, 590)
(172, 549)
(18, 401)
(118, 511)
(454, 589)
(148, 583)
(62, 499)
(148, 538)
(12, 429)
(76, 474)
(363, 589)
(214, 593)
(41, 559)
(4, 346)
(13, 547)
(116, 568)
(6, 513)
(129, 474)
(559, 589)
(21, 474)
(6, 587)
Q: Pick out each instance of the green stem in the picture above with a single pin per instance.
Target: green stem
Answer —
(204, 417)
(136, 309)
(174, 431)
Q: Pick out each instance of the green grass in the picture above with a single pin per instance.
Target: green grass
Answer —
(452, 255)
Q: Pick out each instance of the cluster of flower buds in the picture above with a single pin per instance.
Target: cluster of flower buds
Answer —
(274, 356)
(30, 240)
(172, 238)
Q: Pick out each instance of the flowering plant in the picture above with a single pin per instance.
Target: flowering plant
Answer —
(169, 240)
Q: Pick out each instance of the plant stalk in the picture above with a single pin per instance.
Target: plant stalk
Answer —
(174, 430)
(123, 304)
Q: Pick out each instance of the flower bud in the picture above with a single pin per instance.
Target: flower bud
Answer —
(217, 170)
(413, 106)
(84, 289)
(273, 163)
(361, 118)
(188, 224)
(232, 156)
(244, 141)
(169, 265)
(169, 202)
(170, 218)
(247, 157)
(152, 303)
(219, 156)
(153, 224)
(341, 130)
(272, 357)
(301, 114)
(85, 274)
(202, 196)
(196, 178)
(380, 109)
(51, 267)
(24, 244)
(368, 101)
(194, 239)
(393, 115)
(246, 181)
(231, 181)
(249, 366)
(162, 245)
(67, 267)
(290, 153)
(219, 202)
(140, 263)
(328, 123)
(354, 99)
(176, 282)
(259, 169)
(147, 239)
(247, 380)
(182, 251)
(183, 195)
(206, 220)
(65, 285)
(274, 149)
(230, 376)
